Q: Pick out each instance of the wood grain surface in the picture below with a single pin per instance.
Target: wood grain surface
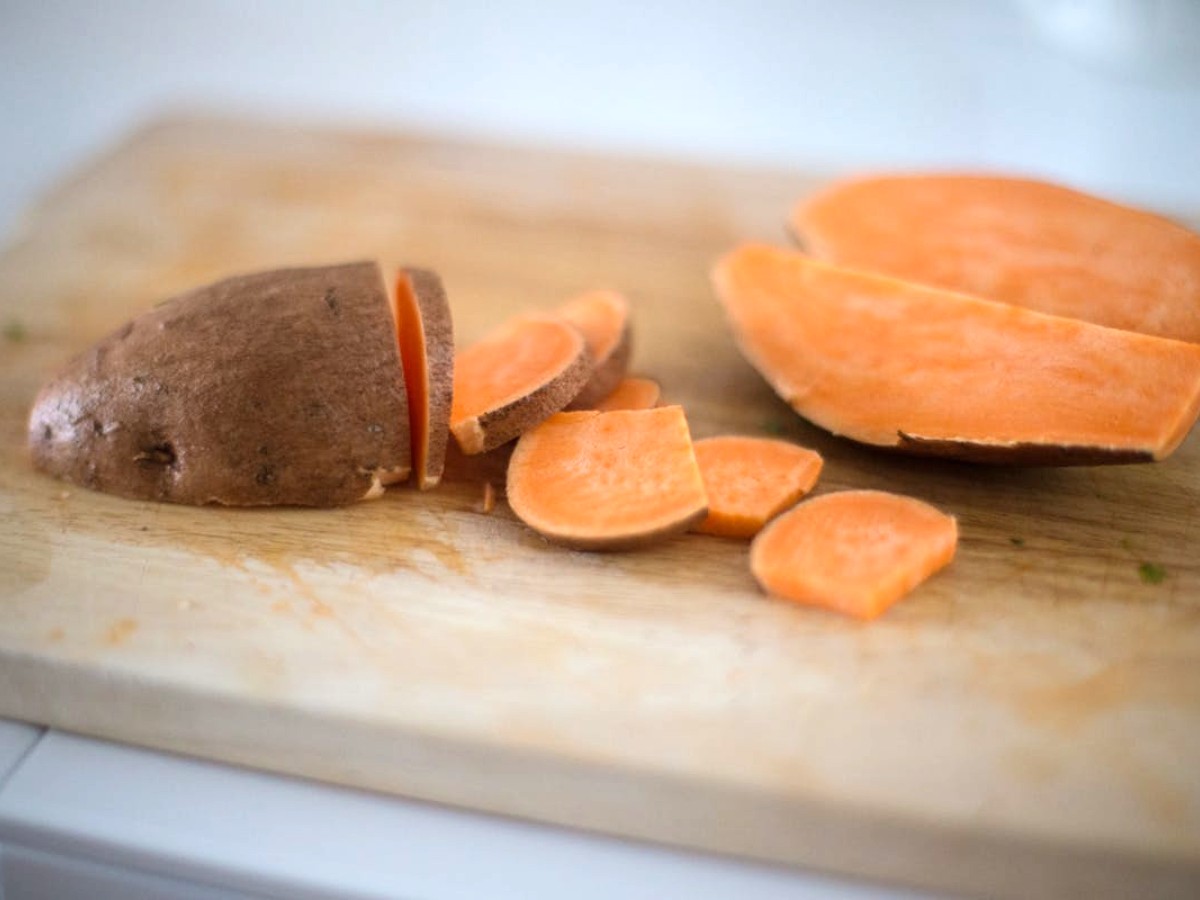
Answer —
(1027, 723)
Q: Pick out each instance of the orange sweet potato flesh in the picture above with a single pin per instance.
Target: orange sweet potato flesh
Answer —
(899, 365)
(426, 334)
(607, 480)
(1028, 243)
(750, 480)
(632, 393)
(602, 317)
(513, 378)
(854, 552)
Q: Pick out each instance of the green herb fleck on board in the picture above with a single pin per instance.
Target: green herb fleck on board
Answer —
(773, 426)
(1151, 573)
(14, 331)
(1017, 541)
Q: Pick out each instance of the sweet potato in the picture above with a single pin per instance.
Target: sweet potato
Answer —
(631, 393)
(281, 387)
(855, 552)
(750, 480)
(426, 335)
(1027, 243)
(514, 378)
(898, 365)
(607, 480)
(602, 317)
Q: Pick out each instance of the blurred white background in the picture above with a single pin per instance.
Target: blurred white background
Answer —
(1102, 94)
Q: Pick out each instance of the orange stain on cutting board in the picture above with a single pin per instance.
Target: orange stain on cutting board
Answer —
(1122, 685)
(119, 632)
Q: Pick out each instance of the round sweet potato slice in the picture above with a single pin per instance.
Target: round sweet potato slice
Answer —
(515, 377)
(603, 319)
(607, 480)
(426, 334)
(280, 387)
(750, 480)
(854, 552)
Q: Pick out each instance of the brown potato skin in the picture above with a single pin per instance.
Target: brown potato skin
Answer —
(275, 388)
(1020, 454)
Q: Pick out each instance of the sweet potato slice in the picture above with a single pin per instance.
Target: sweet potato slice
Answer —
(427, 352)
(855, 552)
(515, 377)
(750, 480)
(280, 387)
(631, 393)
(602, 317)
(607, 480)
(898, 365)
(1028, 243)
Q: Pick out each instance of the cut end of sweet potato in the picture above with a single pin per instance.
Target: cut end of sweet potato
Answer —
(632, 393)
(919, 369)
(603, 319)
(281, 387)
(512, 379)
(750, 480)
(1028, 243)
(426, 335)
(607, 480)
(854, 552)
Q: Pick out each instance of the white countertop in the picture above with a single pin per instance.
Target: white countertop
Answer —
(79, 817)
(1108, 100)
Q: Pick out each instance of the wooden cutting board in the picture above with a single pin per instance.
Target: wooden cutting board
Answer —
(1028, 723)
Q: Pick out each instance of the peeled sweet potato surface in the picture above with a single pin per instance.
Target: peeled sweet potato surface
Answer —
(1028, 243)
(280, 387)
(900, 365)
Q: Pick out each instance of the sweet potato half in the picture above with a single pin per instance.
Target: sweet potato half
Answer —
(282, 387)
(1028, 243)
(899, 365)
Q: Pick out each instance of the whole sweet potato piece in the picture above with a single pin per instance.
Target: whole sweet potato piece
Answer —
(281, 387)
